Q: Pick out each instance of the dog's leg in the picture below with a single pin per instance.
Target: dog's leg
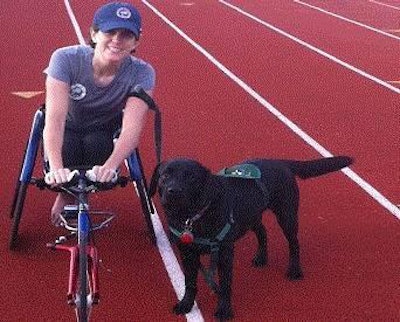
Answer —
(261, 257)
(191, 265)
(225, 272)
(286, 212)
(288, 223)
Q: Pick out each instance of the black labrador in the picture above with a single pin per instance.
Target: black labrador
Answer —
(207, 213)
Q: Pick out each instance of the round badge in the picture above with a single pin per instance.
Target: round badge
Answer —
(77, 92)
(124, 13)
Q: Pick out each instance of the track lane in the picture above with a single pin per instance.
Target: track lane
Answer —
(337, 37)
(338, 244)
(365, 11)
(282, 79)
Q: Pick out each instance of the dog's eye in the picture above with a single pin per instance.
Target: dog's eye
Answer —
(164, 176)
(190, 176)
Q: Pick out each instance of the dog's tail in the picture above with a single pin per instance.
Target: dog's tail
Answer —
(319, 167)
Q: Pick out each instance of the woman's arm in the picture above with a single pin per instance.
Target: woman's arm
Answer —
(132, 125)
(57, 96)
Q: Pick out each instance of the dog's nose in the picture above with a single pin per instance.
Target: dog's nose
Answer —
(174, 190)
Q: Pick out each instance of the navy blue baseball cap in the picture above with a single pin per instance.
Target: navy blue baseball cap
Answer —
(118, 15)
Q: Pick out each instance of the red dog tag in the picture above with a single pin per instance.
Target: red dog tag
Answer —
(187, 237)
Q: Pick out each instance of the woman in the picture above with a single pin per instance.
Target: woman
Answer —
(87, 89)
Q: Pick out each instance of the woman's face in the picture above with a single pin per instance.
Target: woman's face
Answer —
(115, 45)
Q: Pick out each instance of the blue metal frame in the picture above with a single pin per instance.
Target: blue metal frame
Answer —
(32, 147)
(134, 166)
(34, 142)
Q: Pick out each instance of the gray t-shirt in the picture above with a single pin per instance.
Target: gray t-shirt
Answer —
(92, 106)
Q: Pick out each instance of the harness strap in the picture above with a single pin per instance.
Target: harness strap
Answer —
(203, 241)
(209, 273)
(246, 171)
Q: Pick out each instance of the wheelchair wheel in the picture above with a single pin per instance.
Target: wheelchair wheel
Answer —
(82, 305)
(147, 208)
(81, 301)
(25, 176)
(16, 193)
(135, 168)
(16, 213)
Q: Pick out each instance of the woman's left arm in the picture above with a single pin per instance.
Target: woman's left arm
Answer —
(133, 121)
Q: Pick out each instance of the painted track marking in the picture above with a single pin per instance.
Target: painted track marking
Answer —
(347, 19)
(314, 49)
(369, 189)
(385, 4)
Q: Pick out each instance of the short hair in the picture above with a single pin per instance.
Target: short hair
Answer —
(91, 42)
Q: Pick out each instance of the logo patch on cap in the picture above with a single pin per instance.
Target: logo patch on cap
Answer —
(124, 13)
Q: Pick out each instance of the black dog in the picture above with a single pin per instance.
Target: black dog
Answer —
(206, 213)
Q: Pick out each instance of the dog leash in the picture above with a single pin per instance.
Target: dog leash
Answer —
(139, 92)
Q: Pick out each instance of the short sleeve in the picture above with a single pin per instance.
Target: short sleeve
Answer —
(59, 66)
(146, 77)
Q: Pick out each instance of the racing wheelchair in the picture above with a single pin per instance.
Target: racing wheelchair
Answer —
(34, 145)
(83, 289)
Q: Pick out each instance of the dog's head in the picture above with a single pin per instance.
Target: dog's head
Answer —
(181, 184)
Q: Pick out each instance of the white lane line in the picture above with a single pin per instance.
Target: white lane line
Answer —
(172, 266)
(385, 4)
(315, 49)
(164, 247)
(347, 20)
(375, 194)
(75, 24)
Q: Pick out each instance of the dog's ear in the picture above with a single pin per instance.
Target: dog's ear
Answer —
(211, 189)
(154, 180)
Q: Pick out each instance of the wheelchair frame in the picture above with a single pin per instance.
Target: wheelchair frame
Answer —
(133, 164)
(83, 281)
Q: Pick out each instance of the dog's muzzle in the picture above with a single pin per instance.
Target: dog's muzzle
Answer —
(174, 197)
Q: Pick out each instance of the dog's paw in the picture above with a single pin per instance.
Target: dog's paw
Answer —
(182, 307)
(294, 274)
(224, 313)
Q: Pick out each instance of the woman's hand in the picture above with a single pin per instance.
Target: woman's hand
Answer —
(56, 177)
(102, 174)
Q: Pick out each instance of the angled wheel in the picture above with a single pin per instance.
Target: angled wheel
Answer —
(25, 177)
(147, 208)
(17, 188)
(16, 213)
(137, 175)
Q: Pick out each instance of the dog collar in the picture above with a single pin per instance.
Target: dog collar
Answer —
(182, 235)
(190, 221)
(186, 236)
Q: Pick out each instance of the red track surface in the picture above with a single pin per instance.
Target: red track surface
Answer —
(350, 243)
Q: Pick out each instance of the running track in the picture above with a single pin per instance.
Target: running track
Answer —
(236, 79)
